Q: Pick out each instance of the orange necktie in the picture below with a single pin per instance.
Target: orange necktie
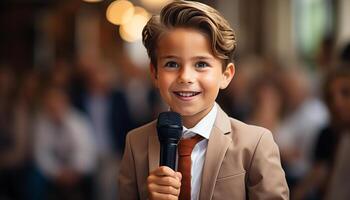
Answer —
(185, 148)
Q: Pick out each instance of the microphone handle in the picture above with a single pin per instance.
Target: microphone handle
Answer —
(168, 154)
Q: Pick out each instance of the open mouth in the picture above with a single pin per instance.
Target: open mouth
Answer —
(186, 94)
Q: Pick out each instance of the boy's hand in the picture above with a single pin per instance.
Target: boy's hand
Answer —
(164, 183)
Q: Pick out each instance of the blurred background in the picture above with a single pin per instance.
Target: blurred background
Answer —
(74, 79)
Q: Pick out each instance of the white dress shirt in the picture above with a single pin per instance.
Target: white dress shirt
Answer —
(202, 128)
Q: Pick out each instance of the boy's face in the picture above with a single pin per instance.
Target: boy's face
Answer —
(188, 75)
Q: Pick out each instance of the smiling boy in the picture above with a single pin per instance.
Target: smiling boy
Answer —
(188, 75)
(191, 46)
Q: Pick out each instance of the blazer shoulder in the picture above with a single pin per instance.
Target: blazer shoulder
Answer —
(143, 131)
(246, 134)
(239, 125)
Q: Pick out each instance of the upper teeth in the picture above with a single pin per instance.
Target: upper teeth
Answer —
(187, 94)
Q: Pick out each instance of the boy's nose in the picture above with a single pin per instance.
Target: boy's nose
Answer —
(186, 76)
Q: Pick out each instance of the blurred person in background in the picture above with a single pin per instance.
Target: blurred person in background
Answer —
(64, 151)
(144, 101)
(10, 143)
(236, 98)
(107, 112)
(24, 111)
(325, 57)
(267, 103)
(345, 54)
(142, 105)
(106, 108)
(61, 74)
(304, 114)
(316, 184)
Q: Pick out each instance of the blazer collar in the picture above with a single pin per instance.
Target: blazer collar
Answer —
(218, 144)
(222, 121)
(153, 148)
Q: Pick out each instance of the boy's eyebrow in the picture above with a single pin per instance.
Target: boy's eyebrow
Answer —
(168, 56)
(204, 57)
(201, 57)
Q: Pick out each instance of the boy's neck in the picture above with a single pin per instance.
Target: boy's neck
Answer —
(192, 120)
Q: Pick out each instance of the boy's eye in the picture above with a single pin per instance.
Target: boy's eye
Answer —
(171, 64)
(202, 64)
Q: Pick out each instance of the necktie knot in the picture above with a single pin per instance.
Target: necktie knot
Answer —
(186, 146)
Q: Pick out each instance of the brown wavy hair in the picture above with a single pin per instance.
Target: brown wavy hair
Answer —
(194, 15)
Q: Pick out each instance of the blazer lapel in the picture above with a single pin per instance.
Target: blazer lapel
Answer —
(153, 152)
(217, 147)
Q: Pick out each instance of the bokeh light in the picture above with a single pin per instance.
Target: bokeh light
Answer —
(155, 4)
(120, 12)
(92, 1)
(132, 30)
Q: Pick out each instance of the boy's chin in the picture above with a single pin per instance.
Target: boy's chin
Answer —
(190, 110)
(185, 113)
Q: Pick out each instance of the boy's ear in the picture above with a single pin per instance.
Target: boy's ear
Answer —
(153, 75)
(227, 75)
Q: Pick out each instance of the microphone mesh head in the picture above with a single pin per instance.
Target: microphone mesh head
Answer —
(169, 125)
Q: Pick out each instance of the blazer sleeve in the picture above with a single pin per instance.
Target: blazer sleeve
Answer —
(266, 178)
(127, 184)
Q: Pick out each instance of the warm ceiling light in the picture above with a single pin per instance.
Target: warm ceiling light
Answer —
(120, 12)
(124, 34)
(141, 11)
(92, 1)
(132, 31)
(155, 4)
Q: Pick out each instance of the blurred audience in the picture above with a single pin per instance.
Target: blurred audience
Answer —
(64, 150)
(317, 182)
(106, 108)
(304, 114)
(345, 54)
(236, 98)
(12, 143)
(61, 74)
(107, 111)
(267, 103)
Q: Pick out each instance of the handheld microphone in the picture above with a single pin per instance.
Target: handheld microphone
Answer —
(169, 128)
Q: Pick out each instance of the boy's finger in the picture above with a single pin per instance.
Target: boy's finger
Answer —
(164, 171)
(169, 181)
(164, 189)
(160, 196)
(164, 181)
(178, 176)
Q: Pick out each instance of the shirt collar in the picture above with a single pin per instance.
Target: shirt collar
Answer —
(204, 126)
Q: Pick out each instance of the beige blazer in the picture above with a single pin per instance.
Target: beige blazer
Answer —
(241, 162)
